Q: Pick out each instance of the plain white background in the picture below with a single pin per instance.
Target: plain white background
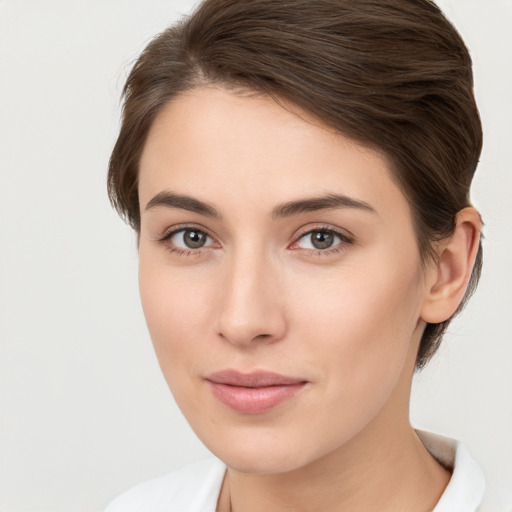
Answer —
(84, 410)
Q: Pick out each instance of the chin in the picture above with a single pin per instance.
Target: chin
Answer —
(260, 462)
(259, 451)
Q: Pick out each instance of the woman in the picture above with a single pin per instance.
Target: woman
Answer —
(298, 176)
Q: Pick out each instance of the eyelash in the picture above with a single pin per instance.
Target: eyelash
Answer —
(344, 241)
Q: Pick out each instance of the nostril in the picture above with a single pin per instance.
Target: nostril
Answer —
(262, 336)
(239, 338)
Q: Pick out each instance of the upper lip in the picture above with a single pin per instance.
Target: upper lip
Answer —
(257, 379)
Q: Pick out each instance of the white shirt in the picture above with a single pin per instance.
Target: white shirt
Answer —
(196, 487)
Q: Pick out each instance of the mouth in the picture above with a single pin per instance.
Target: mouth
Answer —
(253, 393)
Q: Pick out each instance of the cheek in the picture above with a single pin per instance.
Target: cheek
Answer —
(359, 326)
(357, 333)
(175, 304)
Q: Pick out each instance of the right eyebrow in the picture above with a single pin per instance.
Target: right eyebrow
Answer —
(170, 200)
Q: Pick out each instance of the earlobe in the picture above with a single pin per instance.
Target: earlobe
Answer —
(448, 278)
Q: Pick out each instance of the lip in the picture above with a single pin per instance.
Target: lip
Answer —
(255, 392)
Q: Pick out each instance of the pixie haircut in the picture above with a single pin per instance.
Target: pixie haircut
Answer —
(393, 75)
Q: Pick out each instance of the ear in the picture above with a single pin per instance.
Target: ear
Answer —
(448, 278)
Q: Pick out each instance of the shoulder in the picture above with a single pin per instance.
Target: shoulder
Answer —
(194, 488)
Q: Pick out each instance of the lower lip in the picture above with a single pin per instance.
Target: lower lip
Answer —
(254, 400)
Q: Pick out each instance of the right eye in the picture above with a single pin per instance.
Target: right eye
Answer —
(189, 238)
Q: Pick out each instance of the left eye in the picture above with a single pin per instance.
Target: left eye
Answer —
(319, 239)
(190, 239)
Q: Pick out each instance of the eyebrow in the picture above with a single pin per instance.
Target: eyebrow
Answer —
(327, 202)
(171, 200)
(314, 204)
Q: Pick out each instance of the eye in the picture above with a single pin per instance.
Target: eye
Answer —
(321, 239)
(190, 239)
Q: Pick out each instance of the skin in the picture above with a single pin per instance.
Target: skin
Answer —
(258, 296)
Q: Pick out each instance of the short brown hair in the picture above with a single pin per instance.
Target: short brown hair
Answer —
(392, 74)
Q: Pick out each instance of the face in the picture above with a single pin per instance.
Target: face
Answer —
(280, 279)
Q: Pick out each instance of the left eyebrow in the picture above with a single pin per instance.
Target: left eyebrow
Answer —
(313, 204)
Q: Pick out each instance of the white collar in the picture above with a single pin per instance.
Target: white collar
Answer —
(466, 487)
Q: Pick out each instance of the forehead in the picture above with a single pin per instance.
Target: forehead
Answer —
(240, 150)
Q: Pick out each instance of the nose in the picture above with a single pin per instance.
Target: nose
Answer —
(251, 307)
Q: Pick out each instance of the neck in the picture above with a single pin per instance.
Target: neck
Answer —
(369, 473)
